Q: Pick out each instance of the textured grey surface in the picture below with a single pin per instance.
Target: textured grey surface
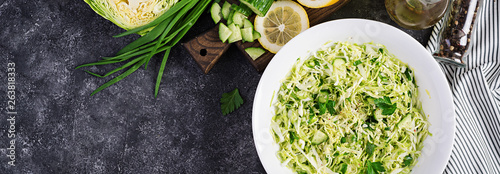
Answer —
(123, 129)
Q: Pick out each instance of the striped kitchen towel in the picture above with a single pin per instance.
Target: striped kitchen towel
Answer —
(476, 95)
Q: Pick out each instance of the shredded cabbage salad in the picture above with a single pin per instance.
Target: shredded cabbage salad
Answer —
(349, 108)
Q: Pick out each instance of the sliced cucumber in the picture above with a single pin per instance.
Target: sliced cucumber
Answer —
(238, 18)
(340, 67)
(226, 9)
(247, 34)
(319, 137)
(256, 35)
(338, 62)
(224, 32)
(230, 17)
(405, 123)
(255, 52)
(243, 9)
(215, 11)
(247, 23)
(259, 7)
(236, 35)
(323, 97)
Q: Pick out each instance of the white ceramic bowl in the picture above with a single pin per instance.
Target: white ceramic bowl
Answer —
(433, 88)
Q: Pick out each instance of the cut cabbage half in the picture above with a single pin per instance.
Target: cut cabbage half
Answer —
(130, 14)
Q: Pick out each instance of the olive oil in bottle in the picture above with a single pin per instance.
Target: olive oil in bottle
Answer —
(416, 14)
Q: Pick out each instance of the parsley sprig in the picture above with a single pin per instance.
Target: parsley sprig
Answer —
(374, 167)
(230, 101)
(385, 104)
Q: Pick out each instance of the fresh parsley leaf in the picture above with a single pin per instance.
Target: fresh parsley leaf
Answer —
(293, 137)
(374, 168)
(407, 161)
(408, 73)
(342, 140)
(343, 168)
(370, 148)
(329, 106)
(369, 168)
(381, 50)
(385, 104)
(230, 101)
(357, 62)
(389, 110)
(322, 108)
(378, 166)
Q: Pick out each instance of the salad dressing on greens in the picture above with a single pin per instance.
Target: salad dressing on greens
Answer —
(349, 108)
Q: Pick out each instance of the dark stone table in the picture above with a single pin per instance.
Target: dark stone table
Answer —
(60, 128)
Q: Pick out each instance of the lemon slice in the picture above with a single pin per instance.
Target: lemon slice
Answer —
(317, 3)
(283, 21)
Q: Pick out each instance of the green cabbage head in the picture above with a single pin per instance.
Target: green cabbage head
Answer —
(130, 14)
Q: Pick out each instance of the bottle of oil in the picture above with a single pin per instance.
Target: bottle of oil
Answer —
(416, 14)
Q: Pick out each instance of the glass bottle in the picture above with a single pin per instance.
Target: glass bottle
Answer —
(455, 36)
(416, 14)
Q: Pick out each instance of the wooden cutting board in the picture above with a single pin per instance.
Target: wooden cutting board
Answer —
(206, 49)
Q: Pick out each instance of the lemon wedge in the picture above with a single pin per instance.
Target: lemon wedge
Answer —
(283, 21)
(317, 3)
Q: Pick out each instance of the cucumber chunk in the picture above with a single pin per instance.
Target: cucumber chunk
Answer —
(259, 7)
(405, 123)
(247, 23)
(243, 9)
(339, 62)
(236, 35)
(224, 32)
(256, 35)
(340, 67)
(238, 18)
(247, 34)
(230, 17)
(215, 11)
(255, 52)
(319, 137)
(226, 10)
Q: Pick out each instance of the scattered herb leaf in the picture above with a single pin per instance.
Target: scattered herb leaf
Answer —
(374, 168)
(357, 62)
(370, 148)
(408, 73)
(343, 168)
(322, 108)
(385, 104)
(230, 101)
(293, 137)
(329, 106)
(407, 161)
(378, 166)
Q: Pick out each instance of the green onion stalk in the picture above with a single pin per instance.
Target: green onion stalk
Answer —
(167, 30)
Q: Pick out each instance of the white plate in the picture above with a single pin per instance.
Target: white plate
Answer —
(437, 102)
